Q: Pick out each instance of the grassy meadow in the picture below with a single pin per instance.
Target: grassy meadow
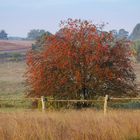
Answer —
(70, 125)
(12, 80)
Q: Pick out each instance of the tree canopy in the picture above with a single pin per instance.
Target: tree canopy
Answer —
(3, 35)
(35, 34)
(121, 34)
(40, 42)
(82, 62)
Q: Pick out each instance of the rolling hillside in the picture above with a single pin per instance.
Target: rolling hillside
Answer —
(14, 50)
(15, 46)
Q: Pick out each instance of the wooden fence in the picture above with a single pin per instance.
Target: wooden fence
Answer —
(105, 101)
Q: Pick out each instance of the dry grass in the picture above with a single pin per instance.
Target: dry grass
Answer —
(70, 125)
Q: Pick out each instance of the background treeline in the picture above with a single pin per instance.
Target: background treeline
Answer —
(40, 35)
(34, 34)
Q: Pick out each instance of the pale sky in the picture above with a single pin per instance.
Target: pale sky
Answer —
(20, 16)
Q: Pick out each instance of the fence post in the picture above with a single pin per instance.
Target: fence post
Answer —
(105, 104)
(43, 103)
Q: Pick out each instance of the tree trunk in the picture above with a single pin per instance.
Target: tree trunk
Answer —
(84, 92)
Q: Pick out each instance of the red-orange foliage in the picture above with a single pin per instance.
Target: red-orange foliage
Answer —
(81, 60)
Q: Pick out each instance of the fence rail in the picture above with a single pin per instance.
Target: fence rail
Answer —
(51, 100)
(124, 98)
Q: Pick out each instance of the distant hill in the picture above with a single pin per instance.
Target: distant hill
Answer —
(14, 50)
(15, 46)
(135, 35)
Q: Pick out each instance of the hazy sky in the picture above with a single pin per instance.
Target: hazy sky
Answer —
(17, 17)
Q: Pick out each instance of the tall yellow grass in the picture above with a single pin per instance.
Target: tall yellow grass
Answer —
(70, 125)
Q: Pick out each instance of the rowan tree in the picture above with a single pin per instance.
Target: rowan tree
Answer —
(81, 62)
